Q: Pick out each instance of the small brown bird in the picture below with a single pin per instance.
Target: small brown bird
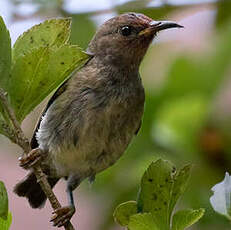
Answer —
(90, 120)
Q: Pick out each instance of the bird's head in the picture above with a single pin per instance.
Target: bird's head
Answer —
(124, 39)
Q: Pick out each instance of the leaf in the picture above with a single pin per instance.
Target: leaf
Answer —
(185, 218)
(5, 66)
(155, 195)
(3, 201)
(36, 74)
(221, 199)
(124, 211)
(142, 221)
(54, 32)
(161, 187)
(5, 53)
(5, 224)
(179, 185)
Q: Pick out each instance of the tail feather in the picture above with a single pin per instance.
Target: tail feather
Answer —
(31, 189)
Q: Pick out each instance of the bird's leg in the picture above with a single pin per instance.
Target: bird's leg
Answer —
(63, 215)
(27, 161)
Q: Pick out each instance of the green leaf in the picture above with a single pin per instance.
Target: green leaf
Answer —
(5, 66)
(155, 195)
(36, 74)
(142, 221)
(124, 211)
(5, 224)
(5, 53)
(54, 32)
(185, 218)
(3, 201)
(161, 187)
(179, 185)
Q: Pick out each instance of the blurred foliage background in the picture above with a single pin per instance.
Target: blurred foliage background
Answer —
(187, 77)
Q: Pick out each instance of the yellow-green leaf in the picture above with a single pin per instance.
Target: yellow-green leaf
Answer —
(179, 185)
(185, 218)
(5, 66)
(37, 73)
(5, 224)
(142, 221)
(155, 195)
(5, 53)
(3, 201)
(54, 32)
(124, 211)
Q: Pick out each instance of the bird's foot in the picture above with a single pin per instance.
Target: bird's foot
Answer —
(62, 215)
(29, 160)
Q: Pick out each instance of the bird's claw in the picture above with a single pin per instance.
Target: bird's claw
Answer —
(62, 215)
(32, 158)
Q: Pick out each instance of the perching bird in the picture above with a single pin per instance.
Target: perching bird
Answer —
(91, 119)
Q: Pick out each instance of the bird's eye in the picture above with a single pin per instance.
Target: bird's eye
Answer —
(126, 30)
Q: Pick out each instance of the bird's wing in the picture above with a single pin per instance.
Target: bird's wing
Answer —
(58, 92)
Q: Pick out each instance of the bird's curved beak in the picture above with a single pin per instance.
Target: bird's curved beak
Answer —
(156, 26)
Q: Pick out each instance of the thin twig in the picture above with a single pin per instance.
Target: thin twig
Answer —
(20, 139)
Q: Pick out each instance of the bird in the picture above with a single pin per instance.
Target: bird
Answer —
(92, 117)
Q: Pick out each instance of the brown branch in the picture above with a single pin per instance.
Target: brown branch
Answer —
(20, 139)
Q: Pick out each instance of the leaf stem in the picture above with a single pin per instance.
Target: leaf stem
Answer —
(20, 139)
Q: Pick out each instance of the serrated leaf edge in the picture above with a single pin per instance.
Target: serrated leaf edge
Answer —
(56, 20)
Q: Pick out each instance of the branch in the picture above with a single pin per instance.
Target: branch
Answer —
(20, 139)
(19, 136)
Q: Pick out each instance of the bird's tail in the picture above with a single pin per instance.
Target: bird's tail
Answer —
(30, 188)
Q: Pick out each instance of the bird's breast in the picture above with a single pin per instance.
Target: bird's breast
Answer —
(108, 131)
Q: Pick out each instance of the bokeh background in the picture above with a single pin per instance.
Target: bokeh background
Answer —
(187, 119)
